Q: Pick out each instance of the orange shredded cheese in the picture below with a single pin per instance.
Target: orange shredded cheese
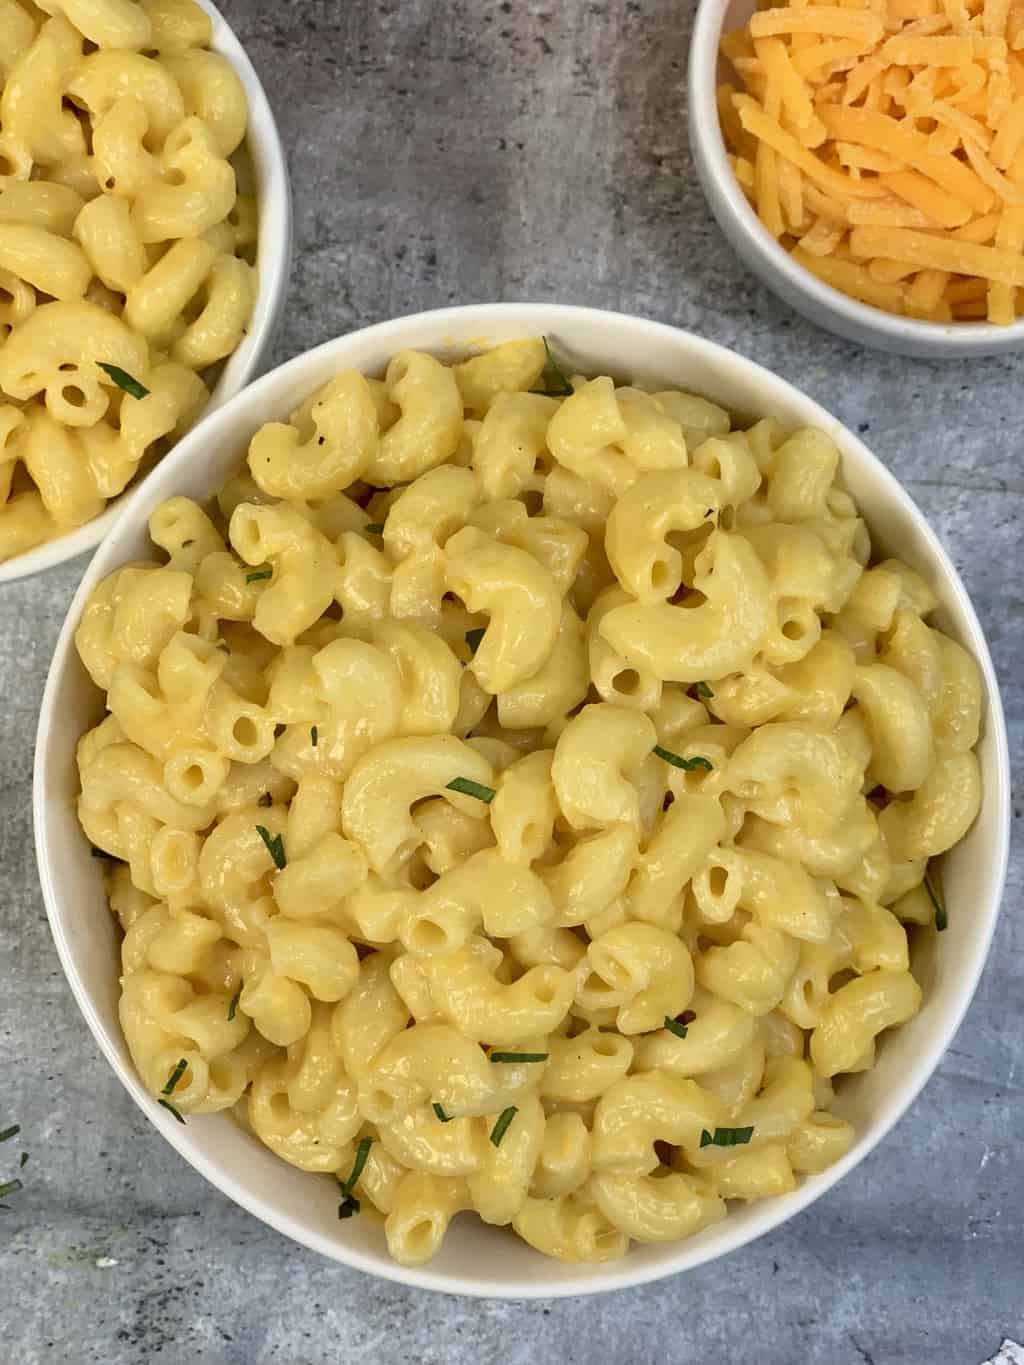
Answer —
(825, 21)
(881, 142)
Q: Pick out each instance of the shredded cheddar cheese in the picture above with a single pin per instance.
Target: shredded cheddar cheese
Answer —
(882, 143)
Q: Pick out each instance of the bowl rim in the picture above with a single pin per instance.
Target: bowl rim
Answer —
(962, 338)
(614, 1275)
(274, 256)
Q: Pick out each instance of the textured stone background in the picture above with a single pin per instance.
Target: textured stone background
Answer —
(456, 151)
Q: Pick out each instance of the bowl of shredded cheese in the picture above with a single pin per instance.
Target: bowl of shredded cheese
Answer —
(867, 162)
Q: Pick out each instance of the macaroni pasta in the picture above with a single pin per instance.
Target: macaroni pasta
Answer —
(126, 253)
(518, 800)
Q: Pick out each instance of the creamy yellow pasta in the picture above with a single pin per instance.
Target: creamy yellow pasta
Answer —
(521, 789)
(125, 250)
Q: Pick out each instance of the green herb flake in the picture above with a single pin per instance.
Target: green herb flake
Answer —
(10, 1187)
(171, 1109)
(8, 1133)
(674, 1026)
(374, 528)
(502, 1126)
(444, 1118)
(519, 1056)
(474, 636)
(124, 380)
(704, 691)
(24, 1161)
(174, 1077)
(349, 1203)
(941, 918)
(314, 736)
(258, 575)
(275, 846)
(362, 1152)
(555, 381)
(233, 1007)
(726, 1137)
(686, 763)
(468, 787)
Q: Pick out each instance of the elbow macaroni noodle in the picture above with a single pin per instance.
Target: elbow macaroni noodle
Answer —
(123, 243)
(520, 802)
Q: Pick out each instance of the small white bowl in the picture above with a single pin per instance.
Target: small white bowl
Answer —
(476, 1259)
(762, 254)
(273, 262)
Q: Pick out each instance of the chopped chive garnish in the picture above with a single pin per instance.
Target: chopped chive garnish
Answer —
(350, 1204)
(445, 1118)
(688, 763)
(174, 1077)
(259, 574)
(474, 636)
(374, 528)
(674, 1026)
(124, 380)
(275, 846)
(704, 691)
(519, 1056)
(171, 1109)
(314, 736)
(266, 800)
(24, 1161)
(8, 1133)
(501, 1127)
(941, 918)
(233, 1007)
(556, 384)
(10, 1187)
(468, 787)
(726, 1137)
(362, 1152)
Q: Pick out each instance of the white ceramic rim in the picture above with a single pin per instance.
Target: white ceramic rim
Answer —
(273, 259)
(520, 319)
(894, 333)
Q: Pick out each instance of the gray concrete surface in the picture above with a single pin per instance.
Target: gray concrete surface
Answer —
(456, 151)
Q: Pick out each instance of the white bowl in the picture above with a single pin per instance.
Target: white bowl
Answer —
(476, 1259)
(759, 250)
(273, 261)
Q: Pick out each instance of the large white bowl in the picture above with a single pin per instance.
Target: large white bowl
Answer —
(476, 1259)
(265, 156)
(762, 254)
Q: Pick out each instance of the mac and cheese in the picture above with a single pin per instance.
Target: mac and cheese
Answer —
(519, 799)
(126, 252)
